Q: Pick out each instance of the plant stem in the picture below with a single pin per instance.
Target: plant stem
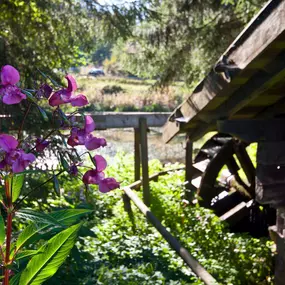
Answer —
(23, 122)
(8, 231)
(8, 245)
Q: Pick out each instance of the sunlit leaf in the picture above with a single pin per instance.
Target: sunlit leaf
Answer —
(53, 254)
(65, 217)
(37, 217)
(2, 230)
(43, 113)
(17, 184)
(56, 185)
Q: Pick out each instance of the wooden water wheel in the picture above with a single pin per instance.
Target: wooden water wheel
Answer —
(221, 186)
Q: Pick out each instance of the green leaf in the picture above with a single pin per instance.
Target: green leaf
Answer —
(56, 185)
(2, 230)
(37, 217)
(30, 96)
(64, 217)
(17, 184)
(63, 161)
(69, 216)
(43, 113)
(15, 279)
(64, 117)
(53, 254)
(26, 253)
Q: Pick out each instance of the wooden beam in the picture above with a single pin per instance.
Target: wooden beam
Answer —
(109, 120)
(196, 267)
(144, 160)
(237, 213)
(255, 48)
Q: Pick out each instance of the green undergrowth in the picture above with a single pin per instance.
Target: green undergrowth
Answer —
(127, 250)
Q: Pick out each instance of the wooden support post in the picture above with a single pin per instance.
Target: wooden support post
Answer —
(197, 268)
(144, 160)
(189, 168)
(137, 154)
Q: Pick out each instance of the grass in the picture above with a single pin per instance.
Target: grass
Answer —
(135, 95)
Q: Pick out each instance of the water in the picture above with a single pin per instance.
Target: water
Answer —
(123, 140)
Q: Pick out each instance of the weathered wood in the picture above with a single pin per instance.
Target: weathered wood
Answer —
(206, 190)
(137, 154)
(197, 268)
(109, 120)
(154, 177)
(113, 120)
(237, 213)
(144, 160)
(270, 173)
(247, 166)
(255, 48)
(254, 130)
(189, 170)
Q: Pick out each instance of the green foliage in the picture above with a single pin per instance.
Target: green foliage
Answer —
(17, 184)
(43, 34)
(128, 250)
(43, 265)
(183, 39)
(2, 230)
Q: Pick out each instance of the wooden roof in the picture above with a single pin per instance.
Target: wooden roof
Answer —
(247, 82)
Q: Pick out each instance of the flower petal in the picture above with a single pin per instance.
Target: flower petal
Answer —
(94, 143)
(79, 101)
(72, 86)
(108, 184)
(8, 143)
(9, 75)
(55, 99)
(12, 95)
(41, 144)
(93, 177)
(101, 162)
(89, 126)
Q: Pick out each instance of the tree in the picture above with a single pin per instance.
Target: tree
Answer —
(185, 37)
(44, 34)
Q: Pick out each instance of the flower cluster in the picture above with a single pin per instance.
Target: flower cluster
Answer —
(13, 158)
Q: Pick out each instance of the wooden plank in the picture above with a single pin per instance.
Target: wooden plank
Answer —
(196, 267)
(237, 213)
(144, 160)
(154, 177)
(108, 120)
(188, 161)
(115, 120)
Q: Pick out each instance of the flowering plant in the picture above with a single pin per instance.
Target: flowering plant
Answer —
(17, 153)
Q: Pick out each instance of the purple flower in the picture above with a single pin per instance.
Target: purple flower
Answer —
(14, 158)
(73, 170)
(9, 92)
(97, 176)
(108, 184)
(44, 91)
(65, 95)
(84, 137)
(41, 144)
(94, 176)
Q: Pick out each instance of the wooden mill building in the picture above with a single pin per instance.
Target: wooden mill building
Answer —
(243, 100)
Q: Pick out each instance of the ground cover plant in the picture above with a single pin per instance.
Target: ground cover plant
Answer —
(128, 250)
